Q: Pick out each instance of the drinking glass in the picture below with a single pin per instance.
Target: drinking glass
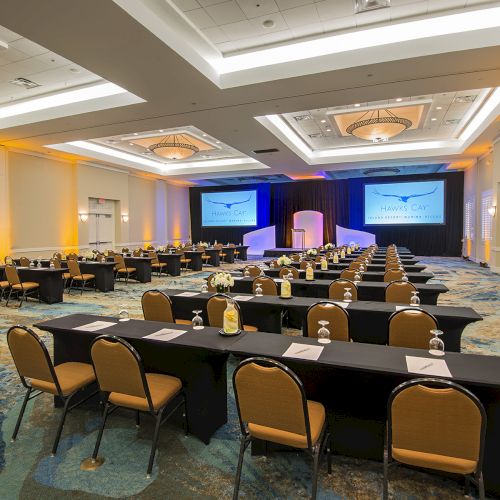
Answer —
(347, 295)
(357, 277)
(361, 268)
(404, 277)
(204, 287)
(197, 321)
(123, 314)
(415, 299)
(51, 265)
(289, 276)
(39, 264)
(32, 264)
(436, 345)
(246, 273)
(258, 290)
(84, 259)
(272, 265)
(323, 332)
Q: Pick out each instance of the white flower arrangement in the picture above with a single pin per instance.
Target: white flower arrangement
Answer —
(283, 261)
(203, 244)
(222, 280)
(89, 255)
(329, 246)
(312, 252)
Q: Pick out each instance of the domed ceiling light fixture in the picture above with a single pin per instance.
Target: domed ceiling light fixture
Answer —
(174, 147)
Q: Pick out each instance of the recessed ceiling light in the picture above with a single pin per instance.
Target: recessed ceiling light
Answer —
(135, 133)
(323, 121)
(268, 23)
(357, 105)
(161, 130)
(75, 70)
(439, 107)
(217, 142)
(399, 99)
(328, 129)
(433, 119)
(205, 135)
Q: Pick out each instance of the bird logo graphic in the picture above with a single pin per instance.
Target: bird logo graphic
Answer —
(404, 198)
(229, 205)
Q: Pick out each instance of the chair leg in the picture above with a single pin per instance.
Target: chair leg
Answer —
(186, 421)
(61, 423)
(243, 446)
(480, 485)
(137, 418)
(316, 457)
(101, 431)
(155, 443)
(467, 486)
(8, 298)
(21, 413)
(385, 493)
(70, 286)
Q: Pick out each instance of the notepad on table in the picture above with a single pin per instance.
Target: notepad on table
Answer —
(303, 351)
(187, 294)
(95, 326)
(278, 280)
(342, 304)
(165, 334)
(243, 298)
(428, 366)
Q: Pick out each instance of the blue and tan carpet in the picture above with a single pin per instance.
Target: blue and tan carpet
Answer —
(185, 467)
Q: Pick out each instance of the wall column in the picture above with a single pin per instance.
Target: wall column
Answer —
(5, 238)
(495, 241)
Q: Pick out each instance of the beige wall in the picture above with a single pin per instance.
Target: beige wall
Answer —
(44, 197)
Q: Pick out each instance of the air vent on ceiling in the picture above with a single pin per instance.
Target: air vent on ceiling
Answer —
(24, 82)
(317, 135)
(454, 121)
(366, 5)
(300, 118)
(264, 151)
(465, 98)
(381, 171)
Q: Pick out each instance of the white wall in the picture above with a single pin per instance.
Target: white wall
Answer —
(178, 213)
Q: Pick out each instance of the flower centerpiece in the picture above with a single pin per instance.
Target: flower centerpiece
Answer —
(329, 246)
(312, 252)
(222, 282)
(89, 255)
(283, 261)
(203, 244)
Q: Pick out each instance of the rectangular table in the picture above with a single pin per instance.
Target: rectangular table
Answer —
(103, 271)
(142, 267)
(416, 268)
(367, 290)
(243, 249)
(198, 358)
(196, 263)
(367, 276)
(173, 261)
(368, 320)
(213, 253)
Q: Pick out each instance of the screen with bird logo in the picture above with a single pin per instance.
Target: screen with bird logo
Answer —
(229, 208)
(404, 203)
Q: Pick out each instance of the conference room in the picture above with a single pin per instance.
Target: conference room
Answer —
(250, 249)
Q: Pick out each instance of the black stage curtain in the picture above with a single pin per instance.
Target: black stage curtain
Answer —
(331, 198)
(445, 240)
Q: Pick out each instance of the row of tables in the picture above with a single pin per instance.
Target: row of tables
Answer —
(352, 380)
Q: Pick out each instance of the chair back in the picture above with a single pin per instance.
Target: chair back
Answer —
(11, 275)
(269, 394)
(295, 257)
(437, 417)
(125, 250)
(216, 305)
(74, 268)
(304, 263)
(267, 284)
(336, 289)
(30, 356)
(411, 328)
(152, 255)
(399, 291)
(285, 271)
(8, 259)
(150, 247)
(120, 262)
(211, 288)
(337, 317)
(72, 255)
(24, 262)
(118, 367)
(349, 274)
(57, 255)
(253, 270)
(393, 275)
(137, 253)
(356, 264)
(318, 258)
(156, 306)
(57, 263)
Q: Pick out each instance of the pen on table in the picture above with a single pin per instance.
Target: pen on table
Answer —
(425, 366)
(302, 350)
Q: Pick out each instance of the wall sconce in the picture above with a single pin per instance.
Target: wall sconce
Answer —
(83, 217)
(492, 210)
(124, 218)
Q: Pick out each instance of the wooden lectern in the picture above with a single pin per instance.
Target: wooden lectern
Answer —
(303, 239)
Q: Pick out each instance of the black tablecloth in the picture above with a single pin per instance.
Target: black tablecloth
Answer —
(196, 263)
(367, 276)
(368, 320)
(367, 290)
(213, 253)
(142, 268)
(229, 251)
(243, 249)
(173, 261)
(371, 267)
(103, 272)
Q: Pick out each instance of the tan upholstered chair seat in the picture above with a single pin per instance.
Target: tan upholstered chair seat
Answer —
(126, 270)
(84, 277)
(159, 264)
(183, 321)
(4, 284)
(66, 276)
(161, 387)
(316, 421)
(249, 328)
(72, 376)
(27, 285)
(185, 260)
(433, 461)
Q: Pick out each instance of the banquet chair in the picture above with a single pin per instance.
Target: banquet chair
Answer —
(318, 258)
(21, 288)
(211, 288)
(72, 255)
(155, 263)
(137, 253)
(121, 268)
(204, 257)
(125, 250)
(337, 317)
(354, 265)
(273, 406)
(273, 263)
(8, 260)
(24, 262)
(399, 291)
(38, 375)
(253, 270)
(337, 288)
(295, 257)
(66, 275)
(436, 424)
(393, 275)
(411, 328)
(267, 284)
(184, 260)
(57, 255)
(4, 286)
(156, 306)
(79, 277)
(284, 271)
(236, 252)
(222, 254)
(121, 377)
(216, 305)
(349, 274)
(304, 263)
(150, 247)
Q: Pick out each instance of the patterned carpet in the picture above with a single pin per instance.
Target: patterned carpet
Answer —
(185, 467)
